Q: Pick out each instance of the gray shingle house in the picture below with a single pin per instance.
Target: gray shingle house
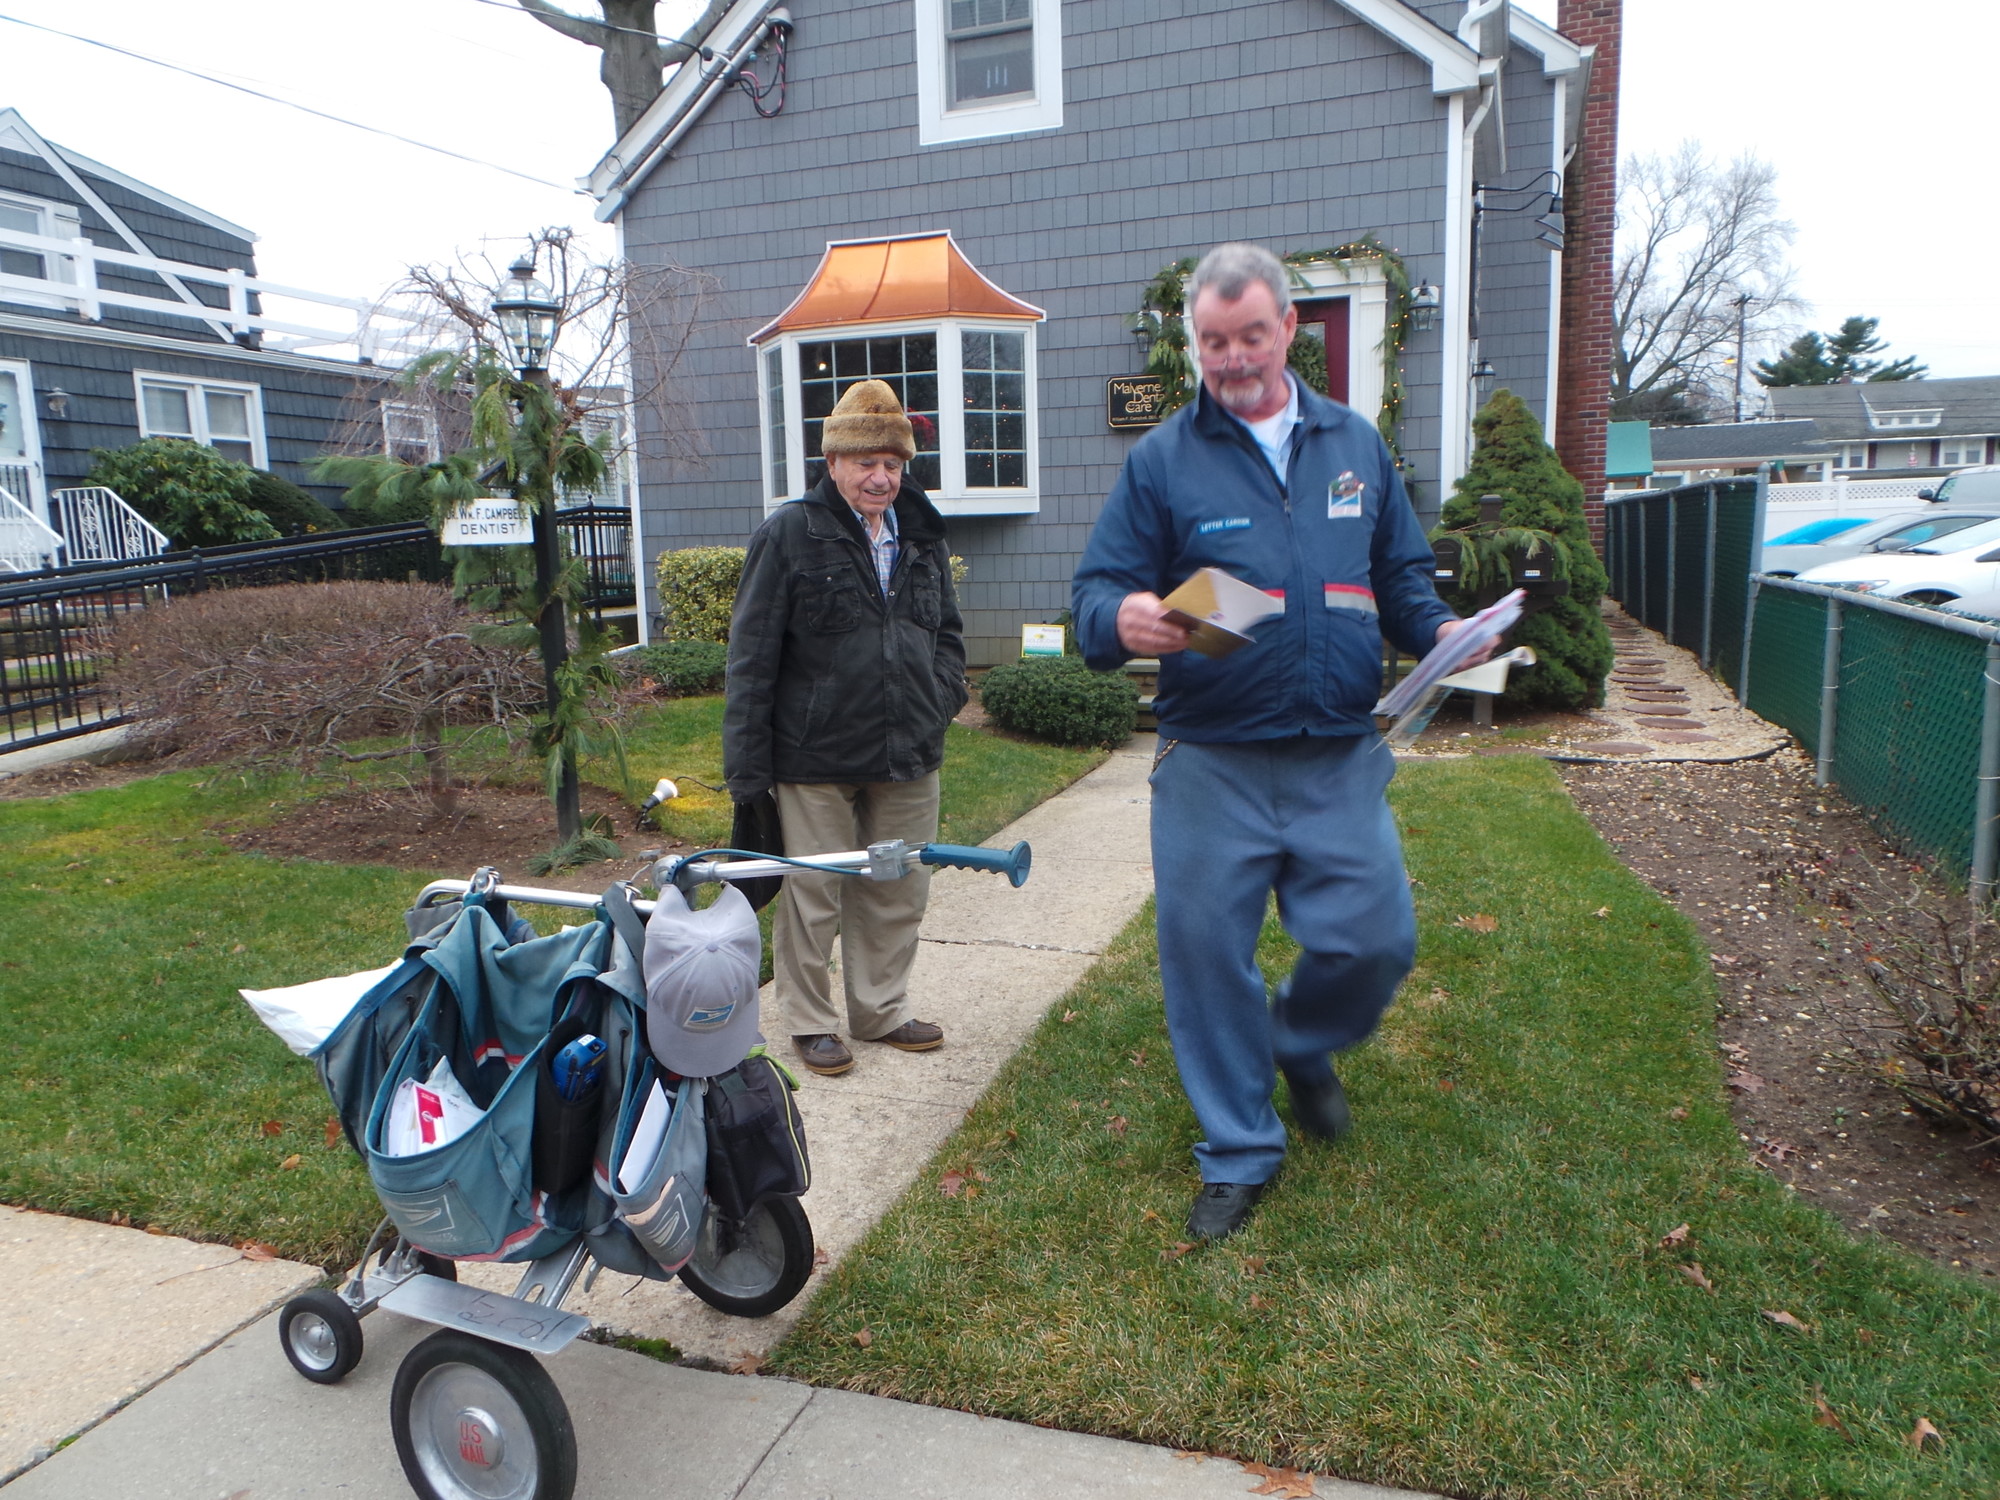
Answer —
(125, 313)
(969, 197)
(1898, 428)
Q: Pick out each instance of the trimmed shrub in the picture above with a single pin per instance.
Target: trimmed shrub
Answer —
(191, 492)
(698, 591)
(682, 669)
(1058, 698)
(1572, 647)
(289, 508)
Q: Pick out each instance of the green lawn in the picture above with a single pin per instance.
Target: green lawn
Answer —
(1469, 1294)
(135, 1084)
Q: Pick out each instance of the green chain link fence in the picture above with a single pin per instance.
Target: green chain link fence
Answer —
(1898, 705)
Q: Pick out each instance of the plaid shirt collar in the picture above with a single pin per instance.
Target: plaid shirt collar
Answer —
(884, 548)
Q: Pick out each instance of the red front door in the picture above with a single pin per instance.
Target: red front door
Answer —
(1326, 322)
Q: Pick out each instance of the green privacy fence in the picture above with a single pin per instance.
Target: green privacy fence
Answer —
(1680, 562)
(1899, 705)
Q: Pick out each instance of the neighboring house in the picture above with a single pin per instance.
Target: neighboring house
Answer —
(969, 198)
(1906, 427)
(126, 313)
(1686, 452)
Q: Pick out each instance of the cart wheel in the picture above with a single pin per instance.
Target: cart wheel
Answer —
(480, 1421)
(754, 1267)
(321, 1336)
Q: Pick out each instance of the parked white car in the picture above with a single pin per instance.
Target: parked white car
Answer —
(1962, 569)
(1822, 542)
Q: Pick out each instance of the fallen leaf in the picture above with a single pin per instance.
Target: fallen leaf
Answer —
(333, 1132)
(864, 1337)
(1678, 1112)
(239, 948)
(1150, 1216)
(1287, 1484)
(1695, 1381)
(1479, 922)
(290, 1163)
(1785, 1320)
(1824, 1415)
(1069, 1015)
(1258, 1302)
(1746, 1082)
(1675, 1235)
(1922, 1433)
(1183, 1454)
(1116, 1125)
(1181, 1247)
(1602, 911)
(1693, 1271)
(952, 1184)
(1138, 1059)
(1446, 1085)
(258, 1250)
(749, 1364)
(272, 1127)
(1253, 1265)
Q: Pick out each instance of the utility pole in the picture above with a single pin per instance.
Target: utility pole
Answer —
(1742, 306)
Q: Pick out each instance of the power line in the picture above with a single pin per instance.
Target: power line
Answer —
(291, 104)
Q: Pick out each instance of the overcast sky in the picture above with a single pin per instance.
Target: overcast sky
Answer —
(1878, 131)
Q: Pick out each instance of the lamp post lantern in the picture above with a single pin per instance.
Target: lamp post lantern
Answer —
(529, 318)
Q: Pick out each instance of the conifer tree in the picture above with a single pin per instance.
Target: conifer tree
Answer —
(1572, 648)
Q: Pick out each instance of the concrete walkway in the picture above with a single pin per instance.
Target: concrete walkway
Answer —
(235, 1423)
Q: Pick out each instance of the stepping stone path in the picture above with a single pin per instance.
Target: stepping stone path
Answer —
(1643, 698)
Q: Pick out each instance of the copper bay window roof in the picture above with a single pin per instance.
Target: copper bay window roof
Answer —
(893, 281)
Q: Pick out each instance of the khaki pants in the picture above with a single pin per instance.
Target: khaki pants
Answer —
(877, 919)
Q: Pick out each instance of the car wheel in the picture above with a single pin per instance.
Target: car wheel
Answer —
(1930, 596)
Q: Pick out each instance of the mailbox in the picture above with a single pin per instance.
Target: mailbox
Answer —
(1448, 560)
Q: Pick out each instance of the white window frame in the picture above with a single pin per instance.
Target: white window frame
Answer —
(952, 497)
(938, 124)
(1977, 454)
(1366, 287)
(433, 450)
(198, 409)
(1905, 419)
(59, 221)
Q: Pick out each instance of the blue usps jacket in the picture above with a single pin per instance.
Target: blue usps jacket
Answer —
(1337, 541)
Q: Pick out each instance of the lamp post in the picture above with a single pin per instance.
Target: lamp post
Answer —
(529, 317)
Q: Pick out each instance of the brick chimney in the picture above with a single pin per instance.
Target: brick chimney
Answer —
(1590, 202)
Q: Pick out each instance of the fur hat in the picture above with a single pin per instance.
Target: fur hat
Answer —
(869, 419)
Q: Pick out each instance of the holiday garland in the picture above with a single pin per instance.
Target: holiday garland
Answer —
(1163, 306)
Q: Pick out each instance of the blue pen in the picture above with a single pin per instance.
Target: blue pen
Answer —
(577, 1068)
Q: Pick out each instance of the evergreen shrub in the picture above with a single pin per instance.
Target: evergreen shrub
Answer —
(1059, 699)
(682, 669)
(188, 490)
(1511, 459)
(288, 507)
(698, 591)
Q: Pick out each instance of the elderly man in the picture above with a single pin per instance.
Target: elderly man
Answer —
(1269, 774)
(846, 663)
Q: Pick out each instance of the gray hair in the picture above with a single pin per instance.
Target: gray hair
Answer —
(1230, 269)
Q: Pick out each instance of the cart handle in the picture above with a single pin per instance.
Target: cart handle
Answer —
(1013, 863)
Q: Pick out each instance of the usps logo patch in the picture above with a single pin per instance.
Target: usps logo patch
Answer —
(1343, 497)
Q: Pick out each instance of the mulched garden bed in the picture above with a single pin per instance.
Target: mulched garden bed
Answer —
(1789, 886)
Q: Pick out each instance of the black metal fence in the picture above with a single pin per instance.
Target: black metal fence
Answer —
(1680, 562)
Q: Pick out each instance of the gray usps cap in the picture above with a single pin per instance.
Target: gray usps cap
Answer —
(701, 982)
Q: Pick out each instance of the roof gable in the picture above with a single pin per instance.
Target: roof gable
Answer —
(17, 133)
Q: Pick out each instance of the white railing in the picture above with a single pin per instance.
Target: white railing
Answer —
(71, 280)
(26, 543)
(100, 527)
(1844, 496)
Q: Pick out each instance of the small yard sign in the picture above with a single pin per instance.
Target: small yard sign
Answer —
(1041, 640)
(1133, 401)
(489, 523)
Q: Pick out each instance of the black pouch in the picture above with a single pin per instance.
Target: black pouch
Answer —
(756, 1140)
(565, 1137)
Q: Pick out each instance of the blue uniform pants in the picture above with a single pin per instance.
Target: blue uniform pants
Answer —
(1304, 817)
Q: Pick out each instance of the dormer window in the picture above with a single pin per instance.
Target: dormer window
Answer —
(1908, 417)
(987, 68)
(957, 350)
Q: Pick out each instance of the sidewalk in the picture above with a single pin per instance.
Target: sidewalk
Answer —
(236, 1421)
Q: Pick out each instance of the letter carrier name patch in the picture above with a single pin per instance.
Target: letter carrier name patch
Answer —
(1227, 523)
(1343, 497)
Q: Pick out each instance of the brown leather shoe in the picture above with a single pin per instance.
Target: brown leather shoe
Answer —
(823, 1054)
(914, 1036)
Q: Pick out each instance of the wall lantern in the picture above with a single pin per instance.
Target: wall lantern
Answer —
(1425, 301)
(56, 402)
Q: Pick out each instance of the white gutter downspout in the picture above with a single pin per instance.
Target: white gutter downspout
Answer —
(1455, 378)
(1559, 159)
(632, 491)
(724, 75)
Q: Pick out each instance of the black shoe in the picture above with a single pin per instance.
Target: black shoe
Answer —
(823, 1054)
(1222, 1208)
(1320, 1108)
